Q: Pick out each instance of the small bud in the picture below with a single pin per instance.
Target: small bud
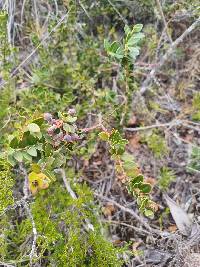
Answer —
(71, 111)
(48, 117)
(53, 121)
(68, 138)
(51, 130)
(75, 137)
(60, 136)
(58, 123)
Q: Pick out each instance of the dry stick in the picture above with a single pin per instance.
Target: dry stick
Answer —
(159, 125)
(138, 218)
(30, 215)
(164, 20)
(127, 225)
(180, 39)
(4, 264)
(33, 248)
(117, 11)
(35, 50)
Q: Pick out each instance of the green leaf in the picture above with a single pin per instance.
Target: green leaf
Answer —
(127, 29)
(71, 119)
(59, 160)
(148, 213)
(39, 121)
(114, 46)
(33, 127)
(18, 156)
(145, 188)
(50, 174)
(137, 179)
(37, 135)
(135, 39)
(14, 142)
(115, 137)
(48, 150)
(104, 136)
(106, 44)
(32, 151)
(134, 52)
(36, 168)
(27, 140)
(127, 157)
(137, 28)
(68, 128)
(11, 160)
(26, 156)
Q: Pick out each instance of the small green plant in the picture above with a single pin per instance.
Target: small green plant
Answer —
(126, 52)
(127, 169)
(166, 177)
(6, 185)
(196, 107)
(157, 144)
(5, 67)
(194, 160)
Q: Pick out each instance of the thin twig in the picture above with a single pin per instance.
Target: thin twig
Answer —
(67, 184)
(159, 125)
(33, 247)
(164, 20)
(15, 205)
(29, 213)
(35, 50)
(179, 40)
(117, 11)
(131, 212)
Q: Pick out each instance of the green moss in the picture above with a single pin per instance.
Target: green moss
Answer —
(62, 234)
(157, 144)
(166, 177)
(6, 185)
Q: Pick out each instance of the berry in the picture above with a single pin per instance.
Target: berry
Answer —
(71, 111)
(48, 117)
(68, 138)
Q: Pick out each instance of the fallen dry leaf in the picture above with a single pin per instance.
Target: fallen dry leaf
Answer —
(108, 210)
(151, 181)
(134, 142)
(172, 228)
(180, 217)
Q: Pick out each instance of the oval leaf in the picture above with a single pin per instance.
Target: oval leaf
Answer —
(33, 127)
(32, 151)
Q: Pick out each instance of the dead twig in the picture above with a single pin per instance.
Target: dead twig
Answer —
(162, 61)
(131, 212)
(164, 20)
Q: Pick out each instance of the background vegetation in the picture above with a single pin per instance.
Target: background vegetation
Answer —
(100, 123)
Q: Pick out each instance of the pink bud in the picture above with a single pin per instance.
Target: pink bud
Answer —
(71, 111)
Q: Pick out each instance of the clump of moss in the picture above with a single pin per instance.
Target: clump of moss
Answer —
(62, 232)
(166, 177)
(157, 144)
(6, 184)
(196, 107)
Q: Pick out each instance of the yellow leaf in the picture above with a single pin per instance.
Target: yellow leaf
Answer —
(38, 181)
